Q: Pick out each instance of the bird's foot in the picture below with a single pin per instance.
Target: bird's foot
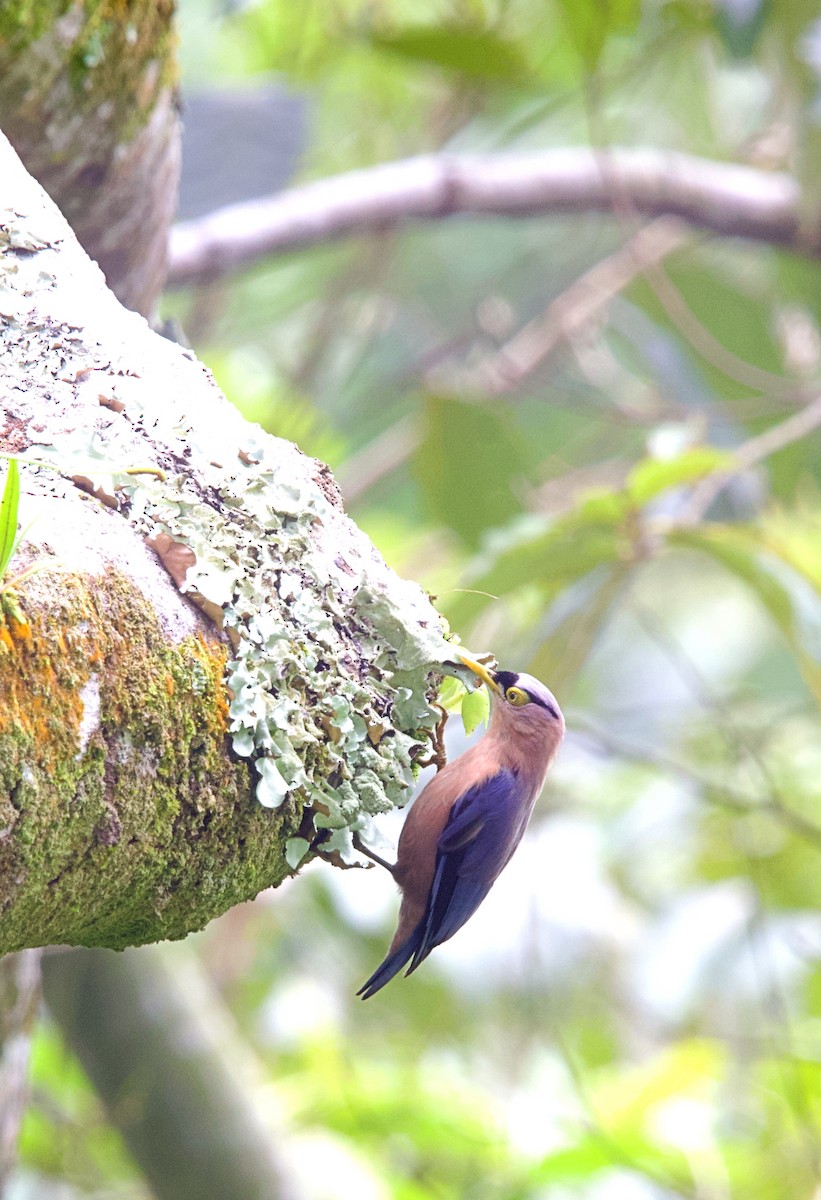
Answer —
(371, 854)
(439, 756)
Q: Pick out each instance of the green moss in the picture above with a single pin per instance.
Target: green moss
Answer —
(117, 55)
(123, 54)
(147, 830)
(23, 21)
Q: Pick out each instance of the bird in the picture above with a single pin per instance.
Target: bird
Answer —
(466, 823)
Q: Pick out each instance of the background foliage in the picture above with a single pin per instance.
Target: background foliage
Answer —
(636, 1011)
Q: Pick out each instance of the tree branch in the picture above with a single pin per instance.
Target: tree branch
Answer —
(731, 200)
(506, 368)
(132, 775)
(749, 454)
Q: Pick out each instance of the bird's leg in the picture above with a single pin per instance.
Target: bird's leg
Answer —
(439, 756)
(372, 855)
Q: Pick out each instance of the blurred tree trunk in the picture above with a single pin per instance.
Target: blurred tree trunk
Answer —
(19, 995)
(87, 98)
(176, 1079)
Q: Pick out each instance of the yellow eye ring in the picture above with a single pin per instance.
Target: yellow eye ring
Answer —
(517, 697)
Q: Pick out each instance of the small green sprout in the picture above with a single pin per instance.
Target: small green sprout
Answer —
(475, 709)
(474, 704)
(10, 540)
(9, 509)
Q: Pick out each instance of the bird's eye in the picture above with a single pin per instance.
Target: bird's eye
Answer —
(517, 697)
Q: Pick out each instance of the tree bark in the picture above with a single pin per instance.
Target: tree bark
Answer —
(88, 100)
(132, 777)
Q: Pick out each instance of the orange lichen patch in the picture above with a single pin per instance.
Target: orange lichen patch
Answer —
(221, 708)
(214, 657)
(169, 684)
(20, 631)
(50, 653)
(41, 694)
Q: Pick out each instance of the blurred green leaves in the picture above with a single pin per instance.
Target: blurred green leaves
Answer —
(785, 584)
(649, 478)
(475, 53)
(65, 1136)
(600, 528)
(466, 465)
(592, 22)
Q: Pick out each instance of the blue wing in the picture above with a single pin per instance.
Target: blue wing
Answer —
(392, 964)
(482, 831)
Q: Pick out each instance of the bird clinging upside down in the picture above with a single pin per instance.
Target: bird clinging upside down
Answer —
(465, 825)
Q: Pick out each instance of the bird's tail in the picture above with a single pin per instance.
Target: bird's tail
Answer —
(394, 963)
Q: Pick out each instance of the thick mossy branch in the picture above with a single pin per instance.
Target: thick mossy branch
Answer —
(143, 736)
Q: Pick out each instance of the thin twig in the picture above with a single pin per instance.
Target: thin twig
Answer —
(384, 454)
(748, 455)
(721, 793)
(707, 345)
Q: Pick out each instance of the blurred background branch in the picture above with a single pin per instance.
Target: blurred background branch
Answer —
(722, 197)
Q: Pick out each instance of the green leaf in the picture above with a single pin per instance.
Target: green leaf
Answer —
(478, 54)
(475, 709)
(586, 1157)
(788, 593)
(591, 22)
(653, 476)
(9, 509)
(451, 692)
(468, 464)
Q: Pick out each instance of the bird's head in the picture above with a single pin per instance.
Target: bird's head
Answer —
(521, 703)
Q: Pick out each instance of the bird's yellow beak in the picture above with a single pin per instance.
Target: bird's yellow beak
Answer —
(478, 669)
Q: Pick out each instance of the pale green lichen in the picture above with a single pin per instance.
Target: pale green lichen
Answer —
(335, 658)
